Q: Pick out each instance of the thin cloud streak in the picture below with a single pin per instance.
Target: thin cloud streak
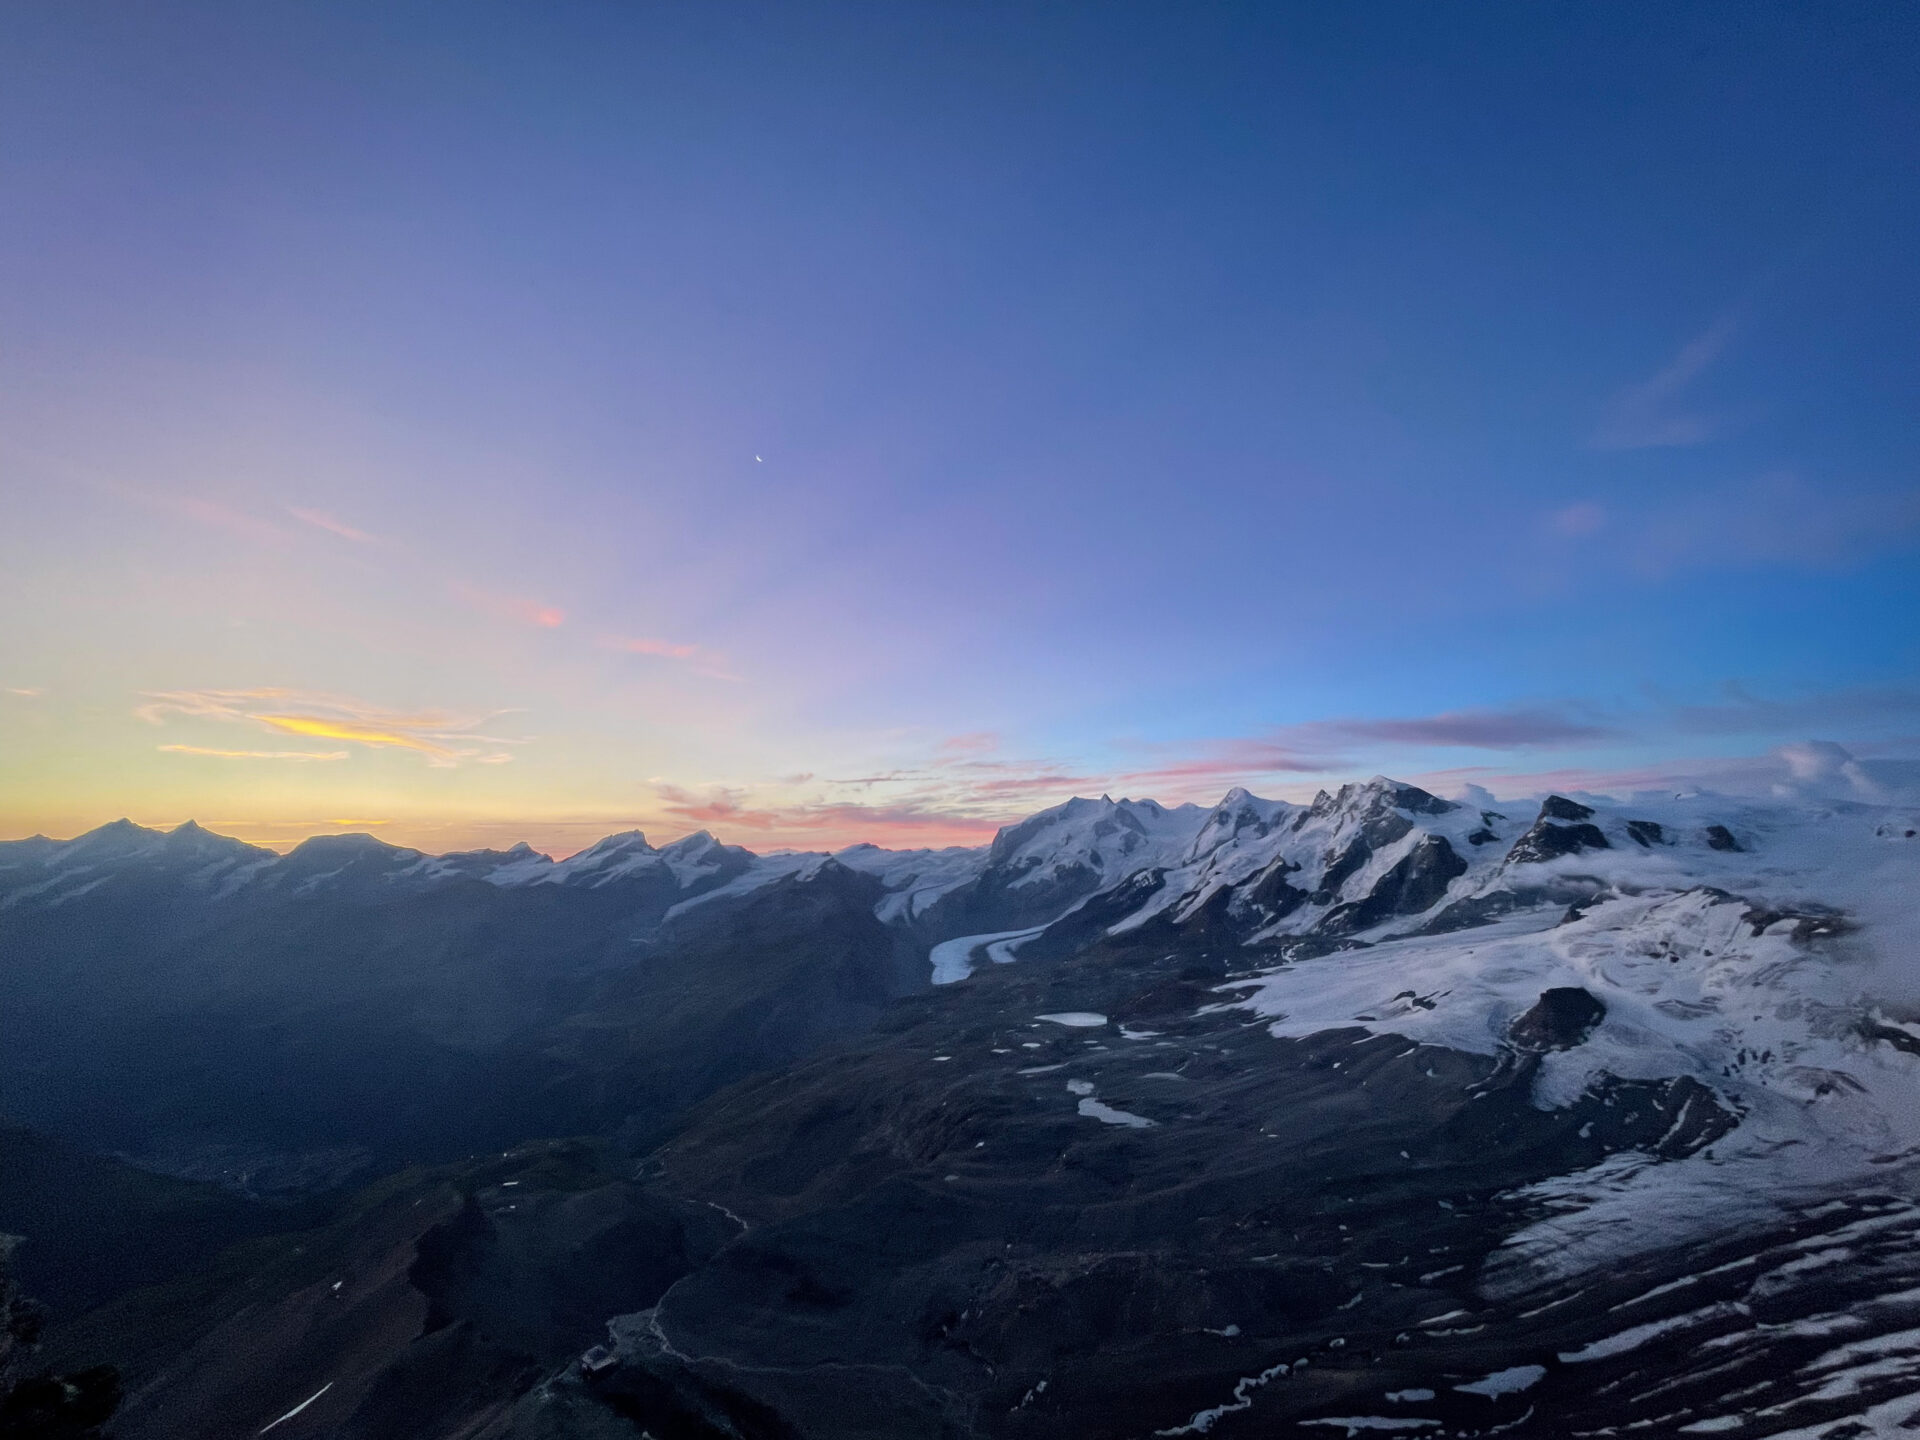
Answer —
(703, 662)
(320, 520)
(445, 740)
(1477, 729)
(516, 609)
(642, 645)
(1651, 414)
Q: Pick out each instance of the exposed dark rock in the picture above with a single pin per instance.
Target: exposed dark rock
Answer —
(1271, 896)
(1558, 807)
(1810, 922)
(1482, 836)
(1548, 840)
(1478, 910)
(1719, 837)
(1417, 801)
(1647, 832)
(1893, 1035)
(1086, 923)
(1341, 868)
(1578, 909)
(1412, 885)
(434, 1299)
(1560, 1019)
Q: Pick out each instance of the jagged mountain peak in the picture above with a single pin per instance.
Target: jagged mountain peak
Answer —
(1239, 818)
(1377, 794)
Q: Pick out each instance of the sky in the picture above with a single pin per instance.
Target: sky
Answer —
(472, 423)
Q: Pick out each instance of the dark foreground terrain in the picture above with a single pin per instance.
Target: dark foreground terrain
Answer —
(1520, 1142)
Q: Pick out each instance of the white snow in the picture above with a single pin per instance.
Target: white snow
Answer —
(1075, 1019)
(1773, 1026)
(1204, 1420)
(954, 959)
(1506, 1382)
(1355, 1424)
(298, 1408)
(1635, 1336)
(1107, 1115)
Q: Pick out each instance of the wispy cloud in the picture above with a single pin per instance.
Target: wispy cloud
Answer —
(255, 754)
(976, 742)
(515, 609)
(1475, 729)
(825, 824)
(709, 664)
(445, 739)
(1322, 747)
(321, 520)
(1654, 412)
(642, 645)
(26, 692)
(213, 515)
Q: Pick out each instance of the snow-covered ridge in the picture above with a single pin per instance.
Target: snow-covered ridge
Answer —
(1766, 955)
(1356, 866)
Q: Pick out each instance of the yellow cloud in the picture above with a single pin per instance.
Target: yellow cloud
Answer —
(446, 740)
(338, 730)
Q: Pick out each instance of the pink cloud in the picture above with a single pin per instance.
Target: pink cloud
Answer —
(705, 663)
(515, 608)
(216, 516)
(643, 645)
(320, 520)
(976, 742)
(1232, 761)
(830, 825)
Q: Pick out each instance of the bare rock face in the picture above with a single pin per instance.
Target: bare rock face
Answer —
(1563, 828)
(1560, 1019)
(1413, 885)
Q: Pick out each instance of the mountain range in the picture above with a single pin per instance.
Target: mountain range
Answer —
(1384, 1112)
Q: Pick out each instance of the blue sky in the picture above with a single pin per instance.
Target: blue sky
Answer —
(955, 406)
